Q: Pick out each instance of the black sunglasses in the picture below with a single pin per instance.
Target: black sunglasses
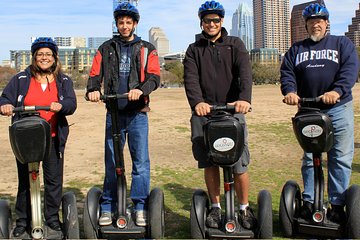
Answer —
(209, 20)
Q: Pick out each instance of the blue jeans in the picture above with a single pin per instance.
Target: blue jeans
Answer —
(339, 157)
(134, 126)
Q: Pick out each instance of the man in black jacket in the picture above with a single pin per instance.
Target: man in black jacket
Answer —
(128, 65)
(218, 72)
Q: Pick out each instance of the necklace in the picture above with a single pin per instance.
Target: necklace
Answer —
(47, 79)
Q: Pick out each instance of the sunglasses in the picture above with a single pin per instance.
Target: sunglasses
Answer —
(209, 20)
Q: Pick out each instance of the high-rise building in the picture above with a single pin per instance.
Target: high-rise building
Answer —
(115, 4)
(272, 24)
(354, 29)
(243, 25)
(298, 31)
(95, 42)
(158, 39)
(70, 41)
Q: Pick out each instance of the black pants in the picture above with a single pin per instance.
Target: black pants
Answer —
(53, 179)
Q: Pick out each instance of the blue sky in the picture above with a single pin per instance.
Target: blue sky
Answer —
(22, 19)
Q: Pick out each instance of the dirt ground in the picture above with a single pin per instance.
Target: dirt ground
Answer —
(169, 135)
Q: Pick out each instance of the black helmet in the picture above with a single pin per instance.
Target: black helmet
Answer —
(211, 7)
(315, 10)
(42, 42)
(127, 9)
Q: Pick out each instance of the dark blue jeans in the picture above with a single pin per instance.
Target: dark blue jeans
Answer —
(134, 127)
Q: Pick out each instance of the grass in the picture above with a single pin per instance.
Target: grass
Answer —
(275, 158)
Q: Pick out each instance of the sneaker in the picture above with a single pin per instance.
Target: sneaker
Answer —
(55, 226)
(18, 231)
(336, 214)
(247, 218)
(105, 219)
(306, 210)
(213, 220)
(141, 218)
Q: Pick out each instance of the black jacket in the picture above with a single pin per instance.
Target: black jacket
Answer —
(217, 73)
(144, 73)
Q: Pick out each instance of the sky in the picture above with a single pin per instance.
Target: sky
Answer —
(22, 19)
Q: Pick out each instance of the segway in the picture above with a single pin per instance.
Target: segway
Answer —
(123, 225)
(5, 219)
(30, 139)
(224, 137)
(314, 132)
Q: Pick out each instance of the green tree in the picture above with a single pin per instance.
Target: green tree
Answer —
(266, 73)
(177, 69)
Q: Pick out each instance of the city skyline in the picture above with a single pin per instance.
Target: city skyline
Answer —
(21, 20)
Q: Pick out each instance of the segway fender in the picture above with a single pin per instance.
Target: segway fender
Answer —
(93, 198)
(353, 211)
(265, 222)
(290, 190)
(200, 196)
(5, 219)
(70, 216)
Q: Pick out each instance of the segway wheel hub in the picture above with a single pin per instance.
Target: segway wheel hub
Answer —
(230, 226)
(121, 222)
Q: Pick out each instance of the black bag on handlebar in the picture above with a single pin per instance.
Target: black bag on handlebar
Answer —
(30, 139)
(224, 138)
(313, 130)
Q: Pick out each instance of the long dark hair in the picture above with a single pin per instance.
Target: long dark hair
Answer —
(54, 69)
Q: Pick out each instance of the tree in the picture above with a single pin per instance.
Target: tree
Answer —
(177, 69)
(6, 73)
(266, 73)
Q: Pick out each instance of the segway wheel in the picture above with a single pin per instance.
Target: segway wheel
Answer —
(265, 223)
(5, 219)
(92, 213)
(290, 201)
(199, 209)
(156, 214)
(70, 216)
(353, 212)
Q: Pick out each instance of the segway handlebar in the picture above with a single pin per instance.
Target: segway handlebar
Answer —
(106, 97)
(227, 108)
(310, 100)
(31, 108)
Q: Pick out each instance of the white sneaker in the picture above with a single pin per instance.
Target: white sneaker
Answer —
(105, 219)
(141, 218)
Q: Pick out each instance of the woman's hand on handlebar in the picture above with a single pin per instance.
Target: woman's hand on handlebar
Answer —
(55, 107)
(202, 109)
(291, 99)
(6, 109)
(241, 106)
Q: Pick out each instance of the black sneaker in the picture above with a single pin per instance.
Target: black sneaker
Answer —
(336, 214)
(18, 231)
(306, 210)
(213, 220)
(247, 218)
